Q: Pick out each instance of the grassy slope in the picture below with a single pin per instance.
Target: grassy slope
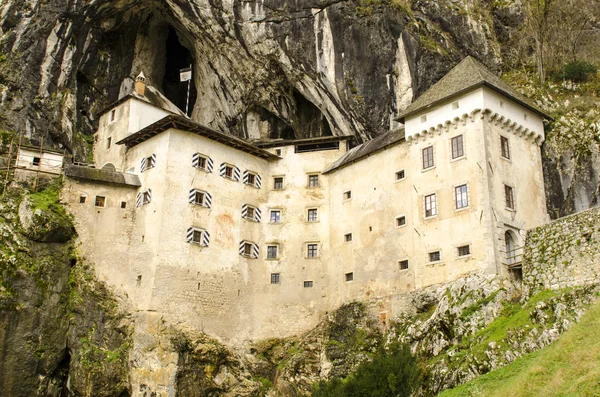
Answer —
(568, 367)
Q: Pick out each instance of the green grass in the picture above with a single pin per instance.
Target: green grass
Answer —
(568, 367)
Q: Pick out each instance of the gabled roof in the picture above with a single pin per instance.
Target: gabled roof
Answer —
(151, 96)
(467, 75)
(185, 124)
(366, 149)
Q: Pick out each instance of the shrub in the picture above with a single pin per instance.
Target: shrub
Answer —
(577, 72)
(393, 372)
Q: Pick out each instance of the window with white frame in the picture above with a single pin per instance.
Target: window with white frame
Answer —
(308, 284)
(251, 213)
(229, 171)
(312, 215)
(313, 180)
(272, 251)
(278, 183)
(252, 179)
(427, 154)
(461, 196)
(457, 147)
(199, 197)
(430, 205)
(435, 256)
(275, 216)
(248, 249)
(275, 278)
(400, 175)
(198, 236)
(463, 250)
(505, 147)
(202, 162)
(509, 197)
(401, 221)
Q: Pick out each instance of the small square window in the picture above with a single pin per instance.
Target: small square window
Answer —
(435, 256)
(313, 180)
(455, 105)
(229, 172)
(312, 250)
(275, 278)
(464, 250)
(312, 215)
(251, 179)
(247, 249)
(82, 199)
(428, 157)
(400, 221)
(272, 251)
(197, 237)
(349, 276)
(250, 213)
(202, 163)
(457, 147)
(400, 175)
(505, 146)
(123, 204)
(403, 264)
(348, 237)
(423, 118)
(275, 216)
(199, 198)
(278, 152)
(347, 195)
(100, 201)
(308, 284)
(36, 161)
(278, 183)
(108, 142)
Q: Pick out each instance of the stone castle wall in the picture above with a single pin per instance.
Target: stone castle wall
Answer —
(563, 253)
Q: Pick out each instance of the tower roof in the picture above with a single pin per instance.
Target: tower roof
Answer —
(467, 75)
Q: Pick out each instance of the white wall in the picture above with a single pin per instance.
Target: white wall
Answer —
(48, 162)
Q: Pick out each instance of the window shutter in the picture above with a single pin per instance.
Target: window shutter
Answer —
(195, 160)
(143, 165)
(244, 210)
(149, 196)
(207, 200)
(236, 173)
(139, 199)
(153, 160)
(257, 215)
(209, 165)
(222, 169)
(205, 238)
(245, 178)
(255, 251)
(258, 181)
(241, 247)
(190, 234)
(192, 196)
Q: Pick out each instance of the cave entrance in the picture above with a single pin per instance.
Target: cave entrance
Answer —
(178, 57)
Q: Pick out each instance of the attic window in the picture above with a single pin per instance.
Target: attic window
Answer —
(315, 147)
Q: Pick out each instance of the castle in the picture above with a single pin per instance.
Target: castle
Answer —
(251, 239)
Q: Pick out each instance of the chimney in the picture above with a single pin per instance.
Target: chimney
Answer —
(140, 84)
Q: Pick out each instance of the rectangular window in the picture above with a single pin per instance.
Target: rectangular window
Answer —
(505, 147)
(148, 163)
(278, 152)
(428, 157)
(275, 278)
(123, 204)
(247, 249)
(348, 237)
(112, 115)
(278, 183)
(272, 251)
(308, 284)
(430, 205)
(349, 276)
(509, 197)
(312, 215)
(457, 147)
(202, 163)
(199, 198)
(400, 175)
(313, 181)
(312, 250)
(464, 250)
(347, 195)
(435, 256)
(36, 161)
(197, 237)
(250, 213)
(400, 221)
(82, 199)
(100, 201)
(108, 142)
(403, 264)
(461, 197)
(229, 172)
(251, 179)
(275, 216)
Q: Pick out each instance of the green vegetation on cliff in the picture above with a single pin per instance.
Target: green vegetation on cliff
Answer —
(569, 367)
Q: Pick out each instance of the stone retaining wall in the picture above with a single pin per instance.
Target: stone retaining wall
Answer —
(563, 253)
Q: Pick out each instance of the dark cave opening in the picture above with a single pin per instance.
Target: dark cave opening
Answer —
(309, 118)
(178, 57)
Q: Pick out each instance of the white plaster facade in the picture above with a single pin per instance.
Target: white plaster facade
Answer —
(34, 159)
(144, 251)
